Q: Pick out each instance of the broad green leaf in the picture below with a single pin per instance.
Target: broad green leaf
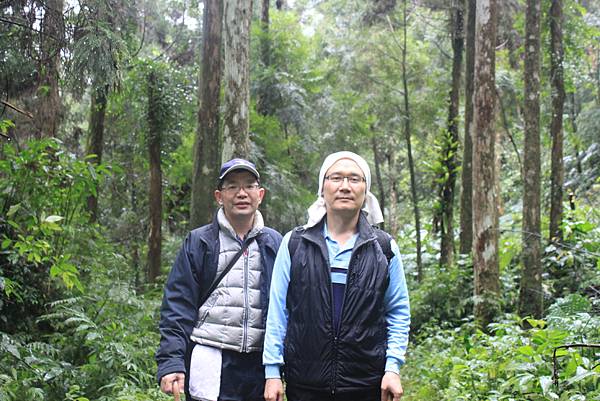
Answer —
(545, 383)
(13, 350)
(526, 350)
(582, 374)
(53, 219)
(13, 209)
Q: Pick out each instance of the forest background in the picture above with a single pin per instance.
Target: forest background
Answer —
(480, 120)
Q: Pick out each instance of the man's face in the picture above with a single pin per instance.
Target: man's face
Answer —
(344, 196)
(240, 195)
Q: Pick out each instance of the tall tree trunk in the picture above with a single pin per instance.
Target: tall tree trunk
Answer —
(556, 129)
(573, 114)
(96, 139)
(133, 241)
(466, 199)
(49, 105)
(238, 14)
(530, 296)
(451, 144)
(485, 215)
(207, 148)
(155, 191)
(393, 194)
(378, 178)
(407, 137)
(264, 102)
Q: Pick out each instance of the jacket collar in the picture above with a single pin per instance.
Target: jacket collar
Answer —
(365, 232)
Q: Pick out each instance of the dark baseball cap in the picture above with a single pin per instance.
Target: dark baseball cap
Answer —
(238, 164)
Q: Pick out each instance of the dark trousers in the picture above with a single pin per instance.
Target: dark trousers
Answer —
(297, 394)
(242, 377)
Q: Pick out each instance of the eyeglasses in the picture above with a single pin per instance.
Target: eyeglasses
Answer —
(235, 188)
(338, 179)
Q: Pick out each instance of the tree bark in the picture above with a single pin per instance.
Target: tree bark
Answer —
(466, 199)
(378, 178)
(451, 144)
(573, 114)
(96, 140)
(407, 137)
(556, 128)
(207, 147)
(530, 296)
(238, 14)
(263, 105)
(49, 105)
(393, 194)
(155, 190)
(485, 215)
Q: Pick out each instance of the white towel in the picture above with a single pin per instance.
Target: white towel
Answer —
(317, 210)
(205, 373)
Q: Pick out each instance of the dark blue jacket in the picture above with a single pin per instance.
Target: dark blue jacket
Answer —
(191, 276)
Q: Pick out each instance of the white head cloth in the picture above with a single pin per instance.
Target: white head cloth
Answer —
(371, 207)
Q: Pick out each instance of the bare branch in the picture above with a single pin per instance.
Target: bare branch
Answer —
(15, 108)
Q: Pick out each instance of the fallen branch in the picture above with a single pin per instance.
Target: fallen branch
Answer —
(15, 108)
(566, 346)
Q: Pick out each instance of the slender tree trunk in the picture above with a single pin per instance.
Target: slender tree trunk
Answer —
(378, 178)
(133, 241)
(264, 102)
(207, 148)
(451, 144)
(393, 194)
(49, 106)
(466, 199)
(573, 114)
(155, 191)
(407, 137)
(556, 127)
(485, 215)
(96, 139)
(238, 15)
(530, 297)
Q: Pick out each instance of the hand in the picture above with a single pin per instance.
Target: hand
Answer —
(274, 390)
(173, 384)
(391, 388)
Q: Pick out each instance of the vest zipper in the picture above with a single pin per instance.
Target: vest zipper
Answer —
(336, 330)
(335, 333)
(246, 302)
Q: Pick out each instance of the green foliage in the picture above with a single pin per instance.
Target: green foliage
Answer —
(5, 125)
(574, 264)
(102, 349)
(440, 298)
(511, 363)
(101, 45)
(42, 194)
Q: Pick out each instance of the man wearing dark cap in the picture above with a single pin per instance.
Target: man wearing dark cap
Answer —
(215, 301)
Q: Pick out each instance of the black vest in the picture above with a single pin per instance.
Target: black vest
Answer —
(350, 357)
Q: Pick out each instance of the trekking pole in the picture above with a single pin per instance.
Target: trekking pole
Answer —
(176, 391)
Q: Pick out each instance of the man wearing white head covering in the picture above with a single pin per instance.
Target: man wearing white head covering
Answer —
(338, 317)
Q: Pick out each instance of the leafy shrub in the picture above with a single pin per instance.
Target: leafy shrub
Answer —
(440, 297)
(574, 264)
(42, 196)
(103, 349)
(511, 363)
